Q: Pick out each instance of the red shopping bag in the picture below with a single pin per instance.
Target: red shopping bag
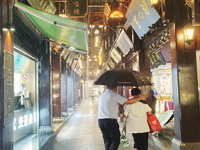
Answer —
(154, 123)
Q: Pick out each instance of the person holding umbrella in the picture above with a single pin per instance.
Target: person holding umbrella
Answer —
(108, 114)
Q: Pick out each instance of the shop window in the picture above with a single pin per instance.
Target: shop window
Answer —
(24, 96)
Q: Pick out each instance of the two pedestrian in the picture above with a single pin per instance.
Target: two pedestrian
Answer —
(108, 114)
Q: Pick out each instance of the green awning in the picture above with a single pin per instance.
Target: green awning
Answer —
(71, 33)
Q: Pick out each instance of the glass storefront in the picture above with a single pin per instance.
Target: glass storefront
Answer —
(162, 79)
(25, 96)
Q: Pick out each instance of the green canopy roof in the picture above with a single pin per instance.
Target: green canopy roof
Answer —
(66, 31)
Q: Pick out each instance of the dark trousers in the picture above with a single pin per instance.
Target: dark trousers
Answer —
(141, 140)
(110, 132)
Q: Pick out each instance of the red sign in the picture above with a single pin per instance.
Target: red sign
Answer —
(24, 77)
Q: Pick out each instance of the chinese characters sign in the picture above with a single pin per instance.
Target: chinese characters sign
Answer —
(8, 90)
(77, 8)
(141, 15)
(22, 121)
(156, 59)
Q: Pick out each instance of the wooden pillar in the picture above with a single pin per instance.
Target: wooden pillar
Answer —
(56, 97)
(45, 112)
(144, 62)
(144, 67)
(63, 87)
(185, 88)
(6, 76)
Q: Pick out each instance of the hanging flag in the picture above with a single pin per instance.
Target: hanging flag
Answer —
(141, 16)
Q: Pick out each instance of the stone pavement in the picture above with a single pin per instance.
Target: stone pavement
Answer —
(81, 132)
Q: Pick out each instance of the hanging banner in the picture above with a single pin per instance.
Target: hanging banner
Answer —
(115, 55)
(124, 43)
(156, 59)
(141, 15)
(77, 8)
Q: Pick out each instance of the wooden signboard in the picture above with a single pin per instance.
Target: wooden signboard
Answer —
(77, 8)
(8, 90)
(156, 59)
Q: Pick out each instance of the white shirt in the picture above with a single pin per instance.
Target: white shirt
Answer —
(137, 117)
(108, 104)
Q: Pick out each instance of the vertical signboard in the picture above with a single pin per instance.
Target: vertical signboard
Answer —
(77, 8)
(8, 89)
(8, 80)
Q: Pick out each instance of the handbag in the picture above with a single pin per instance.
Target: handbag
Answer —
(154, 123)
(123, 137)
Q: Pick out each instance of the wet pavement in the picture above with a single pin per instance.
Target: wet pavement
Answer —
(81, 131)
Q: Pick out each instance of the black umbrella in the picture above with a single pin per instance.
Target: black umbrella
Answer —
(122, 77)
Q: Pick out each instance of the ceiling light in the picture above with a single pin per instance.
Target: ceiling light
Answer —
(92, 26)
(96, 31)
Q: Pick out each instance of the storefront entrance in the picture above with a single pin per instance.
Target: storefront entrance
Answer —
(25, 96)
(162, 79)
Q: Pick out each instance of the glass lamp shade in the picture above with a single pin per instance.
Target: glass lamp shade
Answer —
(189, 34)
(116, 14)
(154, 2)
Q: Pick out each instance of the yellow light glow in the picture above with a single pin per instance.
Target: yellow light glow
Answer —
(63, 15)
(154, 2)
(5, 29)
(189, 34)
(12, 29)
(116, 14)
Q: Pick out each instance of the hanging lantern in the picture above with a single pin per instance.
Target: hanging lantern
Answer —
(116, 14)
